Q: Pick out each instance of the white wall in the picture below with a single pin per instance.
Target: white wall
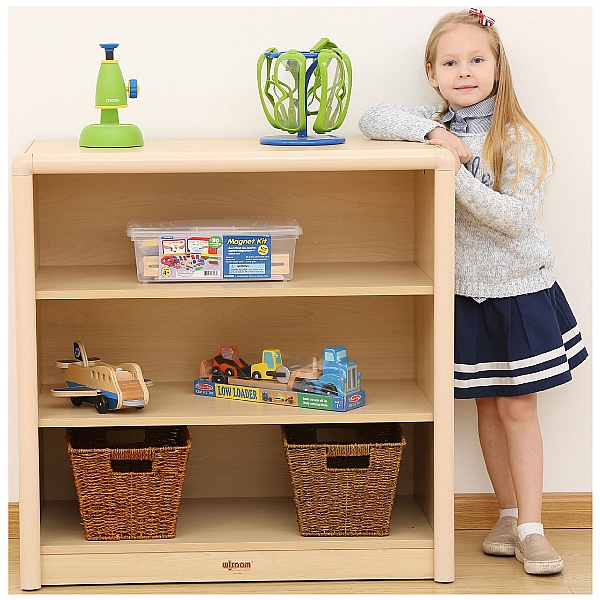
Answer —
(196, 67)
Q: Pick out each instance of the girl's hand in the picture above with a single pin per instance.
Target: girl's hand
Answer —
(448, 146)
(459, 147)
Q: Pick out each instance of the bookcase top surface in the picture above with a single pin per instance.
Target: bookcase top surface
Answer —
(228, 155)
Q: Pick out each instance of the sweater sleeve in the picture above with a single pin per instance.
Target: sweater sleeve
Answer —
(510, 211)
(394, 122)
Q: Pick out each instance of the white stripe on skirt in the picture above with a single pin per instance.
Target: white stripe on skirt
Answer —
(520, 364)
(525, 362)
(519, 380)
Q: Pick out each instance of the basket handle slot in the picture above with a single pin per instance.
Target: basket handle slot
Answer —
(349, 462)
(130, 466)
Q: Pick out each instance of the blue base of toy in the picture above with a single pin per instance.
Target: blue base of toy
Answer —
(288, 140)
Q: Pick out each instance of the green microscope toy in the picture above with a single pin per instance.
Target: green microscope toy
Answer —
(111, 94)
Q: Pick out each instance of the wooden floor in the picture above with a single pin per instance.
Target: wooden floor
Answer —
(476, 573)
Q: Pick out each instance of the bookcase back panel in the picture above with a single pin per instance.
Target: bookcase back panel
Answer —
(225, 461)
(354, 216)
(169, 338)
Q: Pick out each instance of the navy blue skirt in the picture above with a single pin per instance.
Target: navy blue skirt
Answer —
(514, 346)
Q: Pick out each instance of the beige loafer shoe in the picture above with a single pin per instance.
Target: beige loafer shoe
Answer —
(501, 540)
(538, 556)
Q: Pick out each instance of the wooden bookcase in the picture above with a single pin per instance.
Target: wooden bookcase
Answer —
(373, 271)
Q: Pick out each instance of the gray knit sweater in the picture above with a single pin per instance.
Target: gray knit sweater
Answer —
(501, 249)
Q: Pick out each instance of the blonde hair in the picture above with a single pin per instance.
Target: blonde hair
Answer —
(507, 112)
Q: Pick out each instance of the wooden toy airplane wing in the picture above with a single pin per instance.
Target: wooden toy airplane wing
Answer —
(63, 363)
(80, 390)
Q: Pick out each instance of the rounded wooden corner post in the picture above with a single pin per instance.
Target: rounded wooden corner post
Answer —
(444, 160)
(444, 567)
(27, 371)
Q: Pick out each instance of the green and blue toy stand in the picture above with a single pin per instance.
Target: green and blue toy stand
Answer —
(294, 85)
(111, 94)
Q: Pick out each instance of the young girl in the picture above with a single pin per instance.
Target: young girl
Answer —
(515, 334)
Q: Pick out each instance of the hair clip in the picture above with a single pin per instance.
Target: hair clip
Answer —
(483, 20)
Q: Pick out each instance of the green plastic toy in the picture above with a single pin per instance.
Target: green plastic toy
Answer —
(111, 94)
(294, 85)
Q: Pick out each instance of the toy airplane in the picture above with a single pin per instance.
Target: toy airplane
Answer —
(107, 387)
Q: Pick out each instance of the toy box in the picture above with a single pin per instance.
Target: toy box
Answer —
(334, 384)
(215, 250)
(235, 391)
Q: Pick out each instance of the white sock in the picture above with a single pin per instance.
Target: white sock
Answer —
(509, 512)
(526, 529)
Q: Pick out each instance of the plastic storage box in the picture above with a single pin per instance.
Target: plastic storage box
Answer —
(215, 250)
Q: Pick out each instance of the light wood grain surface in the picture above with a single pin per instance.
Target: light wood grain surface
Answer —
(476, 573)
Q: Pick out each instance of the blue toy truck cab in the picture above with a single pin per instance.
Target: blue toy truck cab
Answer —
(340, 375)
(340, 371)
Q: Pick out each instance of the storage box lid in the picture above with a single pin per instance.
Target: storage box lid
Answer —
(273, 227)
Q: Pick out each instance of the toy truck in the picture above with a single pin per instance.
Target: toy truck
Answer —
(340, 375)
(336, 386)
(107, 387)
(230, 363)
(268, 368)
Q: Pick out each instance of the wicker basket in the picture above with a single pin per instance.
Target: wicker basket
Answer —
(128, 487)
(344, 487)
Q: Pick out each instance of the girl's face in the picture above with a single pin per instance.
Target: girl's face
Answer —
(464, 70)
